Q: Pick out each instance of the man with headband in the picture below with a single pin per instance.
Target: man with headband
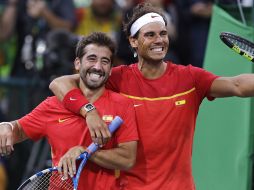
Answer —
(166, 98)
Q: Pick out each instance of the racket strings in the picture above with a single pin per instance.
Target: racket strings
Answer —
(50, 181)
(244, 45)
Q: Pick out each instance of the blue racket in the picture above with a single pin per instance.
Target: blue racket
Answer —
(50, 179)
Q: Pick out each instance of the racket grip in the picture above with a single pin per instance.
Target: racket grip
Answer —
(113, 126)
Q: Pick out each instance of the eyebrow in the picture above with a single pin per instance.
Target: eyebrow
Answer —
(94, 56)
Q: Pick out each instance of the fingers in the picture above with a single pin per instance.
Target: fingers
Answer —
(67, 164)
(101, 135)
(6, 140)
(98, 129)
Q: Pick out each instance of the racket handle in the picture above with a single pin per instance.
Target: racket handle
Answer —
(113, 126)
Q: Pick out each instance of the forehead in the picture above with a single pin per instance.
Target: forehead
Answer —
(153, 27)
(99, 51)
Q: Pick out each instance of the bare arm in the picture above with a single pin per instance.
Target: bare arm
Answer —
(241, 86)
(10, 134)
(97, 127)
(61, 85)
(123, 158)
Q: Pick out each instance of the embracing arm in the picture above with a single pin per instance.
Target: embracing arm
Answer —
(10, 134)
(241, 86)
(62, 85)
(66, 89)
(123, 157)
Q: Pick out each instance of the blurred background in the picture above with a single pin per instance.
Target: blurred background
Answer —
(37, 44)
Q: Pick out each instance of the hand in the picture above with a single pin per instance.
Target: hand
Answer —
(68, 161)
(98, 129)
(6, 139)
(35, 8)
(202, 9)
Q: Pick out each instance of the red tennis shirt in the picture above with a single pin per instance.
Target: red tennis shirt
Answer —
(64, 130)
(166, 111)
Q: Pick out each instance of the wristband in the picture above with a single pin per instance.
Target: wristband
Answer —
(74, 100)
(8, 123)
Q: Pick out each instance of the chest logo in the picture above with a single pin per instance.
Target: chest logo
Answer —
(107, 118)
(63, 120)
(180, 102)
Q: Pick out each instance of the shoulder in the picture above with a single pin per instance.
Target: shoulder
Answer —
(53, 102)
(123, 70)
(119, 99)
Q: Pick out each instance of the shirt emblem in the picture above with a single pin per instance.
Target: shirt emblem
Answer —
(63, 120)
(107, 118)
(180, 102)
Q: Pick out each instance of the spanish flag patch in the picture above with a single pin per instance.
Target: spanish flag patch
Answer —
(107, 118)
(180, 102)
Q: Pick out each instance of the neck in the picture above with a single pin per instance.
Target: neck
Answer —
(91, 94)
(152, 70)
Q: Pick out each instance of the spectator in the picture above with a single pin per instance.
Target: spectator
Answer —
(101, 15)
(31, 20)
(194, 21)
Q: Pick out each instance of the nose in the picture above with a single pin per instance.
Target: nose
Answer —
(158, 38)
(98, 65)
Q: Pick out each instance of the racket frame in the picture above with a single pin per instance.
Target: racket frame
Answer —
(224, 37)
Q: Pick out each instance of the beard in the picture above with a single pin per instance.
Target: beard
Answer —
(93, 84)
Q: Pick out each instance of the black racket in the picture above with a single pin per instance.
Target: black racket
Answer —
(240, 45)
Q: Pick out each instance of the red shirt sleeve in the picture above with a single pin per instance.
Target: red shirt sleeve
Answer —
(203, 80)
(34, 123)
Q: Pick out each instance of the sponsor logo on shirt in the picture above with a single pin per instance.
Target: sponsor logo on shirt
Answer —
(72, 99)
(63, 120)
(153, 16)
(137, 105)
(180, 102)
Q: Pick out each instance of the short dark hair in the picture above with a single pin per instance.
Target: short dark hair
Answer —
(138, 11)
(98, 38)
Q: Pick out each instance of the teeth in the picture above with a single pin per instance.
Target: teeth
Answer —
(157, 49)
(94, 75)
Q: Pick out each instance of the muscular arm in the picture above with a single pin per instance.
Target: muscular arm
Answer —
(9, 136)
(97, 127)
(61, 85)
(241, 86)
(123, 157)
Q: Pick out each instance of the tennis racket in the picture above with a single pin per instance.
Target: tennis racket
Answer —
(240, 45)
(50, 179)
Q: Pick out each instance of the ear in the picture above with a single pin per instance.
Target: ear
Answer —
(133, 42)
(77, 64)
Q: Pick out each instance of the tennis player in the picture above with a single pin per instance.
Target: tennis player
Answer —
(166, 98)
(64, 130)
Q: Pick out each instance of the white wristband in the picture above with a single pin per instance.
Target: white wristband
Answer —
(8, 123)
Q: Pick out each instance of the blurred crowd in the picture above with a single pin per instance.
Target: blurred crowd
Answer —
(38, 38)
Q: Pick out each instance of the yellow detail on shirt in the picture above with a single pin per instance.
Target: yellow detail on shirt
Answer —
(180, 102)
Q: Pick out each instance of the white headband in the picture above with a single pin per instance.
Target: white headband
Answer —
(145, 19)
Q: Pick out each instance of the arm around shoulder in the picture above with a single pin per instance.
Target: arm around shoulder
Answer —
(62, 85)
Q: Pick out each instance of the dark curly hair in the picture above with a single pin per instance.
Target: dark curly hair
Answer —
(98, 38)
(138, 11)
